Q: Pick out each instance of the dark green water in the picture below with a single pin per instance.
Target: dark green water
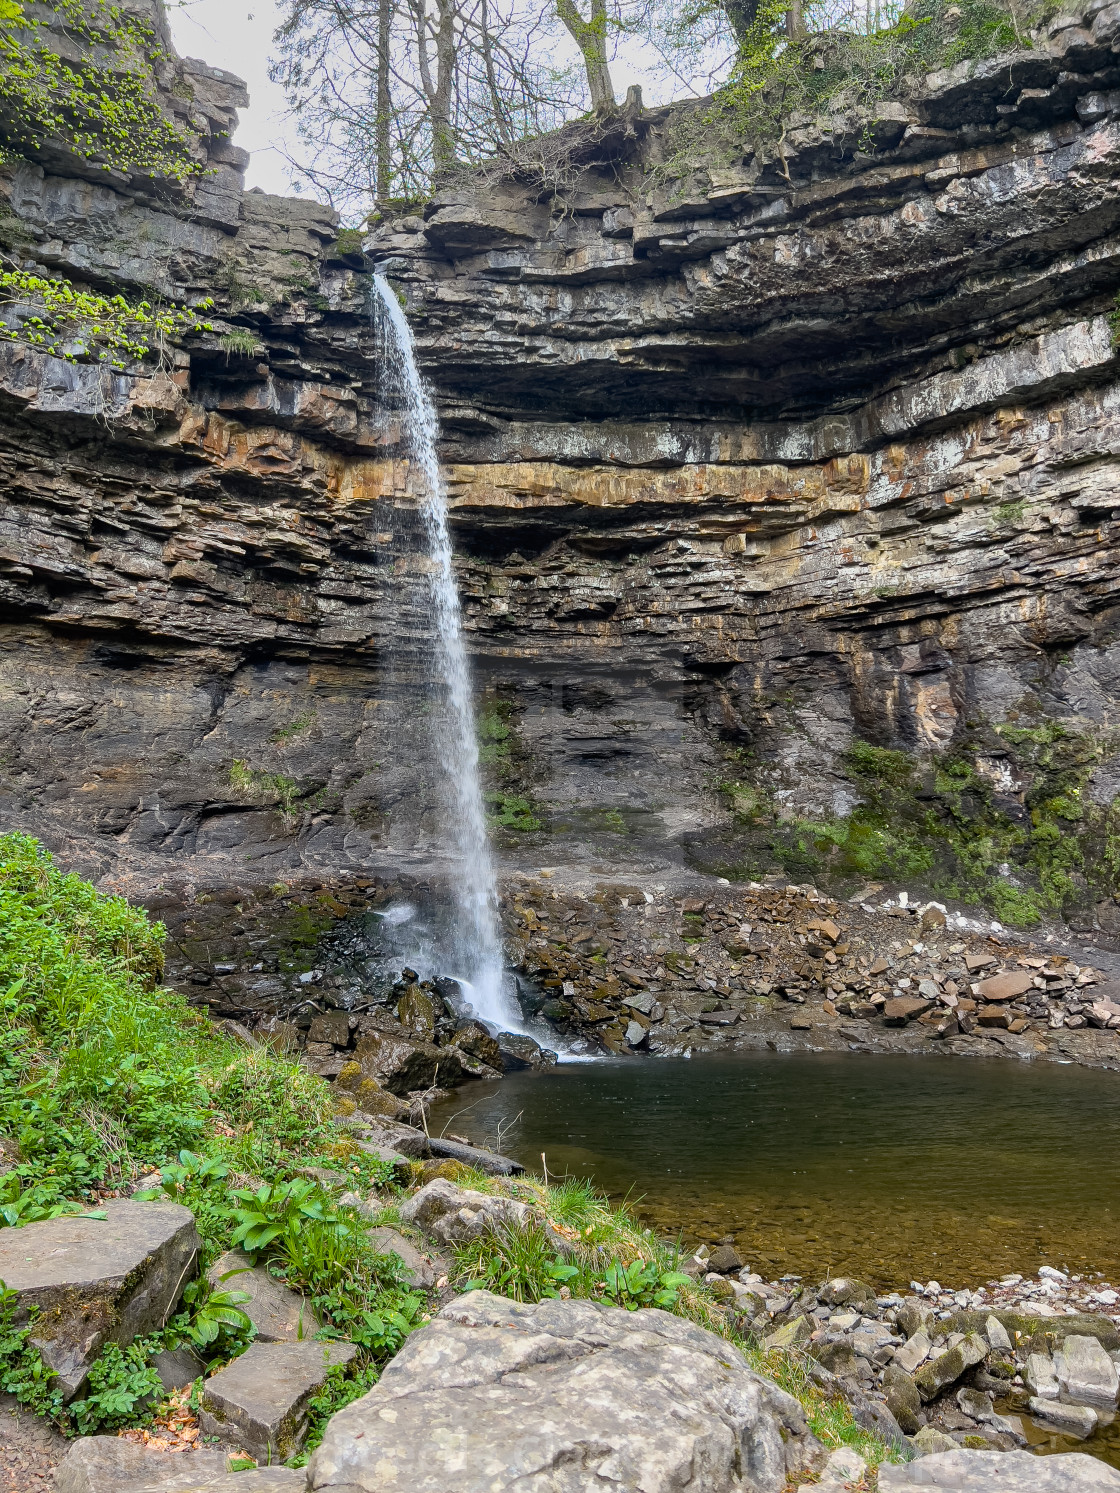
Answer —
(898, 1168)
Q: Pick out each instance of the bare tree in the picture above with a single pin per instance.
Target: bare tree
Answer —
(390, 94)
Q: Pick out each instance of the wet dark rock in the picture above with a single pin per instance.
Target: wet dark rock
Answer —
(519, 1051)
(903, 1399)
(485, 1161)
(725, 1260)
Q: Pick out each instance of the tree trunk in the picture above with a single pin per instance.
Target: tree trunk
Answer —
(591, 38)
(795, 25)
(383, 143)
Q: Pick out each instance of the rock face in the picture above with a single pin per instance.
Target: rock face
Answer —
(564, 1395)
(701, 499)
(98, 1280)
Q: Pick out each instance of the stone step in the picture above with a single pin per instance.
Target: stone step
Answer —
(260, 1399)
(98, 1279)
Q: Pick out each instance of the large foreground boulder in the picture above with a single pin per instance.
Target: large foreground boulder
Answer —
(1001, 1472)
(563, 1397)
(98, 1279)
(260, 1400)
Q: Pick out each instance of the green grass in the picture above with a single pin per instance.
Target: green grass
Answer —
(104, 1075)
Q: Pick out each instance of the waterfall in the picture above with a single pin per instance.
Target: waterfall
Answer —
(477, 932)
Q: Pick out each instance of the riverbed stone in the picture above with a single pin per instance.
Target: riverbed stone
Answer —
(903, 1399)
(1071, 1420)
(961, 1471)
(913, 1353)
(279, 1314)
(904, 1008)
(948, 1367)
(844, 1468)
(997, 1335)
(1086, 1374)
(97, 1279)
(260, 1399)
(1039, 1376)
(495, 1396)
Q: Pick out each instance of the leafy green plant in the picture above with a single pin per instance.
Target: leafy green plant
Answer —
(22, 1370)
(511, 812)
(214, 1319)
(643, 1283)
(276, 1209)
(238, 342)
(251, 780)
(120, 1381)
(100, 100)
(69, 322)
(344, 1384)
(517, 1262)
(20, 1204)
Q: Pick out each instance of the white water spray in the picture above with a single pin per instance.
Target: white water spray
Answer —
(478, 931)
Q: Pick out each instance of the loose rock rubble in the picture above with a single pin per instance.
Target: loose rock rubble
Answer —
(969, 1366)
(630, 970)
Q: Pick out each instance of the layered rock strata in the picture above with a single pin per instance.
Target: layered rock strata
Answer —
(814, 447)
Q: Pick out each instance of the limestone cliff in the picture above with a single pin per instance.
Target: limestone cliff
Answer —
(747, 469)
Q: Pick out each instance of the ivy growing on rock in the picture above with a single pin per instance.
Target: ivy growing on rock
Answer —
(75, 324)
(85, 77)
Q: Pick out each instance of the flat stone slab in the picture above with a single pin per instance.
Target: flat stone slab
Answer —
(566, 1395)
(98, 1280)
(424, 1269)
(1001, 1472)
(279, 1314)
(260, 1399)
(108, 1464)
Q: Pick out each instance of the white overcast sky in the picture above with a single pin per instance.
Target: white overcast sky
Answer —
(237, 35)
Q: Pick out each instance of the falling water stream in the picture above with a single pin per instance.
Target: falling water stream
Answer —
(477, 934)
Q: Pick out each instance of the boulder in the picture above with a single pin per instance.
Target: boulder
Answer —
(845, 1290)
(959, 1471)
(913, 1353)
(792, 1335)
(484, 1161)
(948, 1367)
(417, 1013)
(725, 1259)
(98, 1279)
(904, 1008)
(1086, 1375)
(332, 1027)
(106, 1464)
(255, 1480)
(929, 1441)
(495, 1396)
(391, 1135)
(1040, 1377)
(397, 1062)
(279, 1314)
(519, 1051)
(456, 1215)
(914, 1316)
(844, 1469)
(1007, 986)
(260, 1399)
(903, 1400)
(474, 1039)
